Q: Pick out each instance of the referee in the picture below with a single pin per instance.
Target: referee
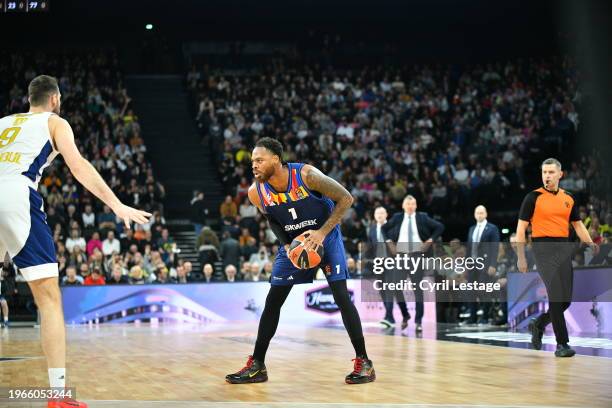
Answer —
(550, 211)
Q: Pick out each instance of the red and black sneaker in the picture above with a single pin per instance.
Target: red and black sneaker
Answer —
(65, 403)
(363, 372)
(253, 372)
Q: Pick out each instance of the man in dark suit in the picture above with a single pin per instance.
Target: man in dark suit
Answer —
(414, 232)
(230, 250)
(378, 248)
(482, 242)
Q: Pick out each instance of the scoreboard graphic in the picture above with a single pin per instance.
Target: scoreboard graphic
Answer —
(11, 6)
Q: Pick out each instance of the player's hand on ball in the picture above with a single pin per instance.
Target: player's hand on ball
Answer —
(301, 257)
(522, 265)
(129, 214)
(314, 239)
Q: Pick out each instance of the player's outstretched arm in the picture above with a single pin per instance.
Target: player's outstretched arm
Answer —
(317, 181)
(63, 138)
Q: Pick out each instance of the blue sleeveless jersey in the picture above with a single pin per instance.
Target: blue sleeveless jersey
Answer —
(298, 209)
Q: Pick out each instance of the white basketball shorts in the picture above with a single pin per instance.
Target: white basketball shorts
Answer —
(24, 232)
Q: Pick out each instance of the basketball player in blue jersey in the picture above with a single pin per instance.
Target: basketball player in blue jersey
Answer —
(28, 143)
(297, 198)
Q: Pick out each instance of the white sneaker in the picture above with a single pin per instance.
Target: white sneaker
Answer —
(387, 323)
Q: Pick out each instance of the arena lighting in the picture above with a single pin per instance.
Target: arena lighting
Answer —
(149, 26)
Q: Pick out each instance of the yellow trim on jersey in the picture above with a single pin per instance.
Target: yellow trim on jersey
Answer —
(19, 120)
(10, 157)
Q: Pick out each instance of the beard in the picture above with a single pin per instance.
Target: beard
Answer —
(56, 109)
(265, 175)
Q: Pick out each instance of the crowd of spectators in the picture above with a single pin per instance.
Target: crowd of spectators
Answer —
(93, 247)
(451, 136)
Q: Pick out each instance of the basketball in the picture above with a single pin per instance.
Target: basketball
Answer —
(300, 257)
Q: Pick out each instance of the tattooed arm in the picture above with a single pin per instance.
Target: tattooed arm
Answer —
(317, 181)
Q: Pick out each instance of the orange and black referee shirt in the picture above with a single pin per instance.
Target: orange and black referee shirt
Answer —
(549, 212)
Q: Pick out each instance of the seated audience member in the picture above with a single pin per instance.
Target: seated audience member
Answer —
(208, 272)
(71, 278)
(95, 278)
(111, 245)
(117, 277)
(230, 273)
(137, 276)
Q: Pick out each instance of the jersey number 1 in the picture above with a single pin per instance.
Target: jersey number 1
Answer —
(293, 213)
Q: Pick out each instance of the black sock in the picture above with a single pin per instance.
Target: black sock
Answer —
(350, 316)
(261, 348)
(359, 346)
(269, 320)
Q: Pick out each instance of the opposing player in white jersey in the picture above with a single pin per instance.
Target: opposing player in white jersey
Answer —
(28, 143)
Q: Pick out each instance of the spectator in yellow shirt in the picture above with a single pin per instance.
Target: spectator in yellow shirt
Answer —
(228, 208)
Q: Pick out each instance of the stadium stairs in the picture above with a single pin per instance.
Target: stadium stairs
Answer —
(182, 163)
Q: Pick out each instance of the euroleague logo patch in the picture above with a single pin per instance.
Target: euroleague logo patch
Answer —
(327, 269)
(567, 205)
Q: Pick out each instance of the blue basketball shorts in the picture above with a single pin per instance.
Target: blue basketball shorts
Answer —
(333, 265)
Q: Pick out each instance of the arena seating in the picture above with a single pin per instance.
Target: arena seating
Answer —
(452, 136)
(108, 133)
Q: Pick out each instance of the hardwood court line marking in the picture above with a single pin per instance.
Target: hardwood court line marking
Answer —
(9, 359)
(471, 335)
(517, 341)
(520, 337)
(461, 334)
(543, 352)
(348, 404)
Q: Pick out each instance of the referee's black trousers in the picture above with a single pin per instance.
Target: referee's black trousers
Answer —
(388, 296)
(554, 264)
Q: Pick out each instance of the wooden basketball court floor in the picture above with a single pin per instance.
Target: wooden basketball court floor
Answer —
(184, 366)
